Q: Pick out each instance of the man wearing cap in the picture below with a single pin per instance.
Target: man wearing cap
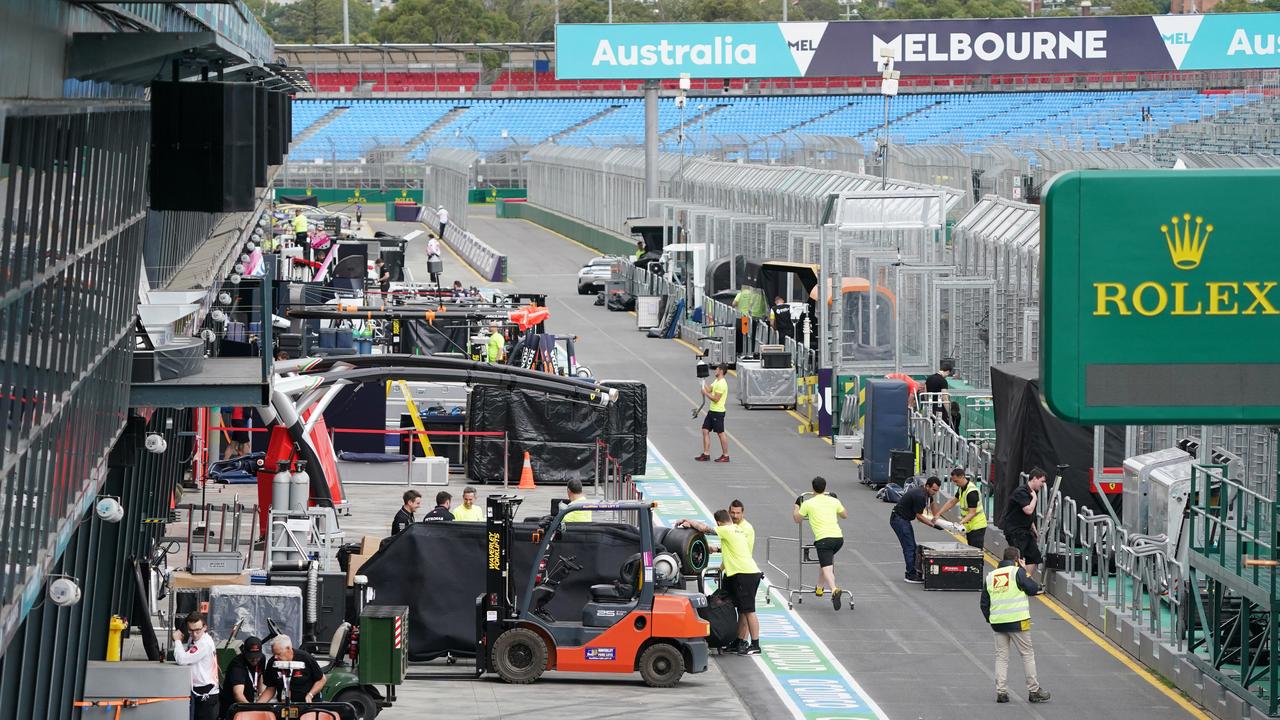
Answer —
(442, 217)
(242, 681)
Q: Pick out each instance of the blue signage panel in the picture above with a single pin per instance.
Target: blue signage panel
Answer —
(921, 47)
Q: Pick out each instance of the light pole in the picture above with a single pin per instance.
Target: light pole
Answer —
(611, 11)
(888, 88)
(346, 24)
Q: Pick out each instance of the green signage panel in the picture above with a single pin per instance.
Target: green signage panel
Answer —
(1160, 296)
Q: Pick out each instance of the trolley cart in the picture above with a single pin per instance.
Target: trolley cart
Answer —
(805, 555)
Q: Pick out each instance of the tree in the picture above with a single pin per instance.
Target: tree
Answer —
(443, 21)
(316, 21)
(1243, 6)
(1133, 7)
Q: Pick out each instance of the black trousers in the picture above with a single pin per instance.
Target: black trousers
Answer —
(205, 708)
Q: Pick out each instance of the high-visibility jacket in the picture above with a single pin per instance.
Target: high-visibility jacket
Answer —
(979, 520)
(1008, 603)
(299, 223)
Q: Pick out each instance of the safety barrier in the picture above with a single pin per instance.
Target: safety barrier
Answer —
(489, 263)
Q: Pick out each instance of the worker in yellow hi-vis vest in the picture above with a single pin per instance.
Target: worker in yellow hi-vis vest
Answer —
(1006, 604)
(972, 516)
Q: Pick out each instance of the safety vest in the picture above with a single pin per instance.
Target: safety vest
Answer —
(299, 223)
(1008, 603)
(979, 520)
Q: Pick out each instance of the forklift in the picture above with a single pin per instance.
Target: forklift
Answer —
(640, 623)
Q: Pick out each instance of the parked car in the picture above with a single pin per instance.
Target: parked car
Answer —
(596, 273)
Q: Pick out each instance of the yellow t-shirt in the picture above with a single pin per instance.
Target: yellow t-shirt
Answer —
(462, 514)
(736, 544)
(578, 515)
(495, 347)
(722, 387)
(823, 512)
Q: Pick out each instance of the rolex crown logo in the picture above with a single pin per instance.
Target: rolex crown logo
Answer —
(1186, 244)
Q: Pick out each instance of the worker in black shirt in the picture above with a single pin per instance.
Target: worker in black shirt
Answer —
(780, 318)
(441, 510)
(911, 507)
(937, 387)
(242, 680)
(405, 515)
(305, 682)
(1019, 522)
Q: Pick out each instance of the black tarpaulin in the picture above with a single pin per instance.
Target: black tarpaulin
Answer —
(559, 434)
(1028, 435)
(311, 200)
(438, 571)
(627, 431)
(445, 334)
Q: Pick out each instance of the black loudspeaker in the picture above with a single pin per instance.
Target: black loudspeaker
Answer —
(202, 146)
(277, 131)
(288, 123)
(259, 136)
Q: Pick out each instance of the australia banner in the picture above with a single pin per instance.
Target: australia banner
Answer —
(920, 47)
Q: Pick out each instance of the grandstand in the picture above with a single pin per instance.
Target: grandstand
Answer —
(350, 129)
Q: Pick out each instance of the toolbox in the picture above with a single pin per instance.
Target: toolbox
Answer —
(949, 566)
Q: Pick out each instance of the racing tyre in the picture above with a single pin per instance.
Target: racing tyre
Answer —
(366, 708)
(520, 656)
(661, 666)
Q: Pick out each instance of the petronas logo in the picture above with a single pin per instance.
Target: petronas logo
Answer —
(1186, 246)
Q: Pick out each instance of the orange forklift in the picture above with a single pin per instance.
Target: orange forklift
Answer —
(640, 623)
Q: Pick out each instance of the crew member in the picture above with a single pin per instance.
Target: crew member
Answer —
(239, 435)
(469, 511)
(359, 214)
(441, 511)
(717, 393)
(442, 217)
(912, 506)
(573, 489)
(780, 317)
(1006, 604)
(458, 291)
(1019, 522)
(937, 387)
(242, 682)
(739, 570)
(824, 512)
(305, 683)
(383, 273)
(433, 247)
(969, 498)
(405, 515)
(300, 232)
(639, 249)
(196, 650)
(750, 304)
(494, 349)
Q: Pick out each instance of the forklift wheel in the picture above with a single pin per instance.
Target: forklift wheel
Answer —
(661, 665)
(366, 708)
(520, 656)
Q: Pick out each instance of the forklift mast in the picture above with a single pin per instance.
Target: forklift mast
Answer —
(498, 601)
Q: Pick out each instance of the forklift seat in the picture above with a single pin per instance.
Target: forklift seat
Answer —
(625, 588)
(338, 646)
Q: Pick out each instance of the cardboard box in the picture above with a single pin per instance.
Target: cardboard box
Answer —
(369, 544)
(353, 568)
(184, 579)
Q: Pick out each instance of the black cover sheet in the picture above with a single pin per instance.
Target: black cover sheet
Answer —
(312, 200)
(1029, 435)
(560, 435)
(445, 334)
(437, 570)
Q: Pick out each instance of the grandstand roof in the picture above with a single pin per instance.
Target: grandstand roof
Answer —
(415, 51)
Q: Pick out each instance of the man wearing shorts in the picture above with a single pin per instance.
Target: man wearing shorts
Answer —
(824, 512)
(1019, 523)
(717, 393)
(739, 571)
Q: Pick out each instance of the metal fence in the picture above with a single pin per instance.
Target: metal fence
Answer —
(451, 180)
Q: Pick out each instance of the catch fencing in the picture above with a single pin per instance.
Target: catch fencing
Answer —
(450, 182)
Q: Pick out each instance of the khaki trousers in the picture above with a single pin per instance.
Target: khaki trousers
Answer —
(1021, 641)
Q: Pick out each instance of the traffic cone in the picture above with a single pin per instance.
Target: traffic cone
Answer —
(526, 475)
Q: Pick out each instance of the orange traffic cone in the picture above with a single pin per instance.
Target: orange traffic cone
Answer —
(526, 475)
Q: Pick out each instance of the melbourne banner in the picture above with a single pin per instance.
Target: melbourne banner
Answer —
(921, 47)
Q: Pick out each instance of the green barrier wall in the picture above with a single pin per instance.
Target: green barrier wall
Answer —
(492, 195)
(607, 243)
(350, 197)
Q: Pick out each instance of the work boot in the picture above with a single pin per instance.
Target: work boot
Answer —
(723, 458)
(703, 457)
(835, 598)
(1002, 697)
(752, 649)
(1038, 696)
